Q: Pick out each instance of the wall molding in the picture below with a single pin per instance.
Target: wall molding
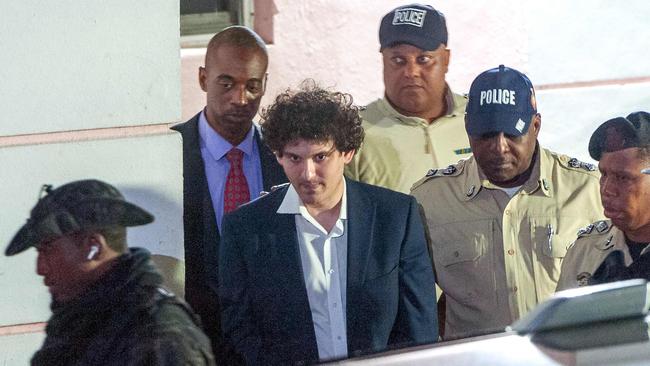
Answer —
(86, 135)
(9, 330)
(594, 83)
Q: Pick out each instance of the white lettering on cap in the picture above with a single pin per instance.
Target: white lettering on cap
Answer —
(409, 16)
(497, 96)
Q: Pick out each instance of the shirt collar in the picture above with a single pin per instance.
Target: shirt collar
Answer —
(291, 204)
(539, 179)
(217, 145)
(452, 109)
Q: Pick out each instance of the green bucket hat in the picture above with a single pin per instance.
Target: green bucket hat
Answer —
(74, 207)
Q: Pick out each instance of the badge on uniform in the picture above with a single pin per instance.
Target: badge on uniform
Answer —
(583, 278)
(601, 226)
(431, 172)
(449, 170)
(586, 230)
(575, 163)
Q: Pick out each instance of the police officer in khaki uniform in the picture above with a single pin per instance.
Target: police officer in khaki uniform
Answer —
(622, 145)
(500, 222)
(419, 122)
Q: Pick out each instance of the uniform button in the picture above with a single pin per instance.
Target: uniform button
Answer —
(507, 212)
(456, 254)
(339, 338)
(334, 304)
(331, 271)
(514, 289)
(511, 252)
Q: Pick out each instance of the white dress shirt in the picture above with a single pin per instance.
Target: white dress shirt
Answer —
(323, 257)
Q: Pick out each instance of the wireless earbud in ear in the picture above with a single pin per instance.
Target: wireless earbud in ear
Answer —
(93, 252)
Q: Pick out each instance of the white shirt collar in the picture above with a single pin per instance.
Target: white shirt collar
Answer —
(291, 204)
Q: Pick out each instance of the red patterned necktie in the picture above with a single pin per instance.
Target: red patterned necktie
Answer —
(236, 191)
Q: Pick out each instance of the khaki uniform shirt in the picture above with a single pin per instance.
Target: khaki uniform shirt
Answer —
(594, 244)
(496, 257)
(398, 150)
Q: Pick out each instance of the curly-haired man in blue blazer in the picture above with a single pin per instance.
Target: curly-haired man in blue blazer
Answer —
(324, 267)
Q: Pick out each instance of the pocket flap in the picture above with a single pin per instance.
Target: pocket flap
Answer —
(462, 241)
(466, 252)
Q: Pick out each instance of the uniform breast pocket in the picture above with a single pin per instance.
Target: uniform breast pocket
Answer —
(550, 236)
(463, 259)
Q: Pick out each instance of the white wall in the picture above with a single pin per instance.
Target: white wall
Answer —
(88, 90)
(73, 64)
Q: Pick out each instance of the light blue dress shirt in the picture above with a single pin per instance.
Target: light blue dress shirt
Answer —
(213, 150)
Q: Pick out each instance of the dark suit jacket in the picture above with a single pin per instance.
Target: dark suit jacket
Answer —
(201, 232)
(391, 299)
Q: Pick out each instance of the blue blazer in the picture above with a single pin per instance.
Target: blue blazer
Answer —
(391, 299)
(201, 232)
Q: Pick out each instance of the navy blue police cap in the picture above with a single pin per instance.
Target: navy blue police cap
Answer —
(501, 99)
(419, 25)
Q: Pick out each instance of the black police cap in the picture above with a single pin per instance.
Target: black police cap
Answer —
(621, 133)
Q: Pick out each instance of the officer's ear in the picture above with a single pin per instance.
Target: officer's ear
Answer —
(536, 124)
(446, 58)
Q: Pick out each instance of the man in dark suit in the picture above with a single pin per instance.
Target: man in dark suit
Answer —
(323, 268)
(234, 79)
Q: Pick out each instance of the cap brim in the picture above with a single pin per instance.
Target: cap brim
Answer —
(122, 213)
(24, 238)
(509, 123)
(423, 43)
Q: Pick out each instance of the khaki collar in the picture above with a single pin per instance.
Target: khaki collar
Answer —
(452, 108)
(540, 179)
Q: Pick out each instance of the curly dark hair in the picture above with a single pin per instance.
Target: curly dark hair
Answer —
(315, 114)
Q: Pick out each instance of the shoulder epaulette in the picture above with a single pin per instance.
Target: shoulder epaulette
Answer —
(450, 171)
(574, 163)
(597, 228)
